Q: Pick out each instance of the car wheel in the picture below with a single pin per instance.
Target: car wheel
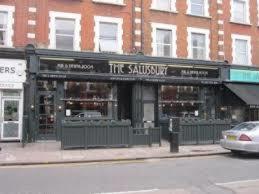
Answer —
(236, 152)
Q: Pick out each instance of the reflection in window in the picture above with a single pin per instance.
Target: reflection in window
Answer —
(108, 37)
(89, 99)
(46, 85)
(65, 33)
(3, 27)
(180, 101)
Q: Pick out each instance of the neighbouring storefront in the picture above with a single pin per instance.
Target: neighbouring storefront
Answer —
(12, 78)
(109, 86)
(241, 94)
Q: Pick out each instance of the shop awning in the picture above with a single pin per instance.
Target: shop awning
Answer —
(249, 93)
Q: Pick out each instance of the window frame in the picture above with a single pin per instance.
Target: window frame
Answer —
(160, 26)
(52, 25)
(112, 2)
(112, 20)
(172, 7)
(247, 12)
(10, 22)
(205, 9)
(249, 50)
(206, 32)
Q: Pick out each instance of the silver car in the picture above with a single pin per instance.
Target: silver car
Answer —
(242, 138)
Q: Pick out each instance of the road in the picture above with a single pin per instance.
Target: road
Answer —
(224, 174)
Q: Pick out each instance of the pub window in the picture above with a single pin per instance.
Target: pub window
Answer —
(89, 99)
(187, 101)
(108, 34)
(180, 101)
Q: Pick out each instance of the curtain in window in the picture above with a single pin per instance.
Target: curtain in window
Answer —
(3, 27)
(198, 46)
(108, 40)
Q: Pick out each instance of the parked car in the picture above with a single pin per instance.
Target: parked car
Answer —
(89, 114)
(244, 137)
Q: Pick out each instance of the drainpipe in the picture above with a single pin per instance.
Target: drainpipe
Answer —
(133, 26)
(142, 27)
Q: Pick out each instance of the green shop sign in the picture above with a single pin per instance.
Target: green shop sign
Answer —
(244, 75)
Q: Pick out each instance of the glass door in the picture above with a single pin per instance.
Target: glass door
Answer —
(149, 102)
(10, 124)
(47, 116)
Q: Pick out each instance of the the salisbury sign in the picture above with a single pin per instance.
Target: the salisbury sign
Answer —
(120, 70)
(12, 71)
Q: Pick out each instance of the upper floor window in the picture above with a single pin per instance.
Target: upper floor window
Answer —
(164, 5)
(198, 43)
(108, 34)
(198, 7)
(241, 49)
(116, 2)
(240, 11)
(3, 27)
(65, 31)
(164, 40)
(6, 25)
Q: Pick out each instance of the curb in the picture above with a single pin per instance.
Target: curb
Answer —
(111, 160)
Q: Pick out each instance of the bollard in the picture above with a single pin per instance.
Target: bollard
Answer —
(174, 142)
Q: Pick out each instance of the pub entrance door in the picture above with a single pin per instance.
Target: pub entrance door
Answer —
(47, 116)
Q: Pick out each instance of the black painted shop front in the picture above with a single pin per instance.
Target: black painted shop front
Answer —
(139, 88)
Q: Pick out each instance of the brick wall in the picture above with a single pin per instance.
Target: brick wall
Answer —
(32, 24)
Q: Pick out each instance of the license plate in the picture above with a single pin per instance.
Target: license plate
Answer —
(231, 137)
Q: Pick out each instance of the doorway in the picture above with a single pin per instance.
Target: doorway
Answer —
(47, 116)
(124, 101)
(11, 119)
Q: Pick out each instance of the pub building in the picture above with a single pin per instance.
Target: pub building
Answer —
(140, 88)
(12, 79)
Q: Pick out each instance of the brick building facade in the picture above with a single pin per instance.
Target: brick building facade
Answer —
(31, 24)
(141, 60)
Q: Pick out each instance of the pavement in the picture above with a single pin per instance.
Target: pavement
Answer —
(51, 153)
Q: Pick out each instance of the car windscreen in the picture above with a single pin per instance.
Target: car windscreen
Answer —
(246, 126)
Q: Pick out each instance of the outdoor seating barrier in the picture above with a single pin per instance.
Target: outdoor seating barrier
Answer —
(106, 133)
(197, 131)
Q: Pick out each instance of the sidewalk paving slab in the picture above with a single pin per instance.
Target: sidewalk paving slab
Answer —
(51, 153)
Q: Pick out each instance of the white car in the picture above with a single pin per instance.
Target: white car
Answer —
(242, 138)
